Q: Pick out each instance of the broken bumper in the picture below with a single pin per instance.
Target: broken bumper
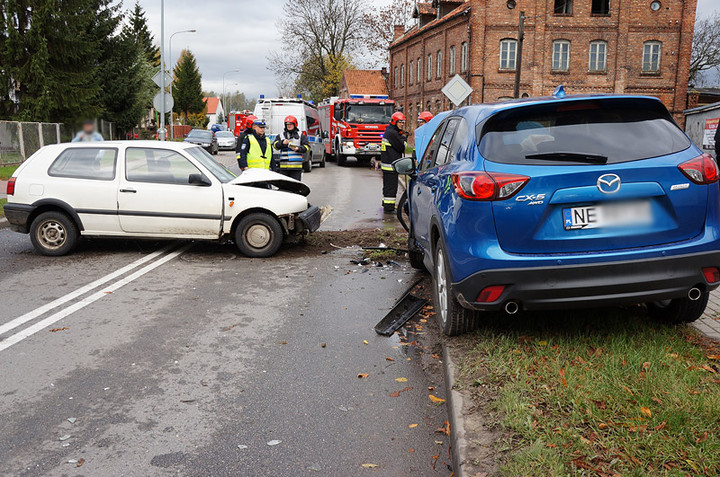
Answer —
(310, 219)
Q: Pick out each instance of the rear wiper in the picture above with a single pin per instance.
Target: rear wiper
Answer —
(568, 156)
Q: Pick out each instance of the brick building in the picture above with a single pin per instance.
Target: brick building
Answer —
(599, 46)
(363, 82)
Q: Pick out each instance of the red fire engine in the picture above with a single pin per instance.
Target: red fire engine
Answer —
(236, 121)
(355, 125)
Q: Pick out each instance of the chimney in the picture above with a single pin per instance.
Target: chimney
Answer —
(399, 30)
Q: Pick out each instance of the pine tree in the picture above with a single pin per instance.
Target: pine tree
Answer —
(137, 27)
(187, 86)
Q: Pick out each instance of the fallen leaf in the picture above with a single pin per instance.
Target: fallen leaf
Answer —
(59, 329)
(283, 342)
(397, 393)
(369, 466)
(436, 356)
(412, 426)
(389, 359)
(646, 411)
(646, 366)
(401, 380)
(431, 388)
(411, 450)
(436, 399)
(702, 438)
(562, 375)
(366, 342)
(714, 357)
(661, 426)
(602, 425)
(543, 343)
(362, 375)
(81, 461)
(657, 400)
(439, 443)
(708, 369)
(107, 293)
(445, 429)
(627, 389)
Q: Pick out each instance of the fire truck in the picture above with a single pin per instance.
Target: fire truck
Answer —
(355, 125)
(236, 121)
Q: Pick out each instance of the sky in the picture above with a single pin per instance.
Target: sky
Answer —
(239, 35)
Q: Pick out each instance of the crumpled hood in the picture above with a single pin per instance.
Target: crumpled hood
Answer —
(260, 177)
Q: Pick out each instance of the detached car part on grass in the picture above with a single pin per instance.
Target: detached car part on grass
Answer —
(563, 202)
(153, 190)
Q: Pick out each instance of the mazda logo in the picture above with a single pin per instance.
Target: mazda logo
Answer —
(609, 184)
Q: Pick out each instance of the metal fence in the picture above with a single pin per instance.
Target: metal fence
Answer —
(20, 140)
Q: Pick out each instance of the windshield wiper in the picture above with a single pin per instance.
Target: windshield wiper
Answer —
(569, 156)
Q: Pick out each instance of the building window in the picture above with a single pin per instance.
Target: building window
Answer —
(463, 57)
(598, 56)
(600, 7)
(439, 64)
(395, 76)
(508, 54)
(651, 57)
(402, 75)
(411, 71)
(429, 67)
(452, 60)
(438, 106)
(561, 55)
(419, 69)
(563, 7)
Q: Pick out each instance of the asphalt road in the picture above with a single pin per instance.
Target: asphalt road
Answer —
(188, 359)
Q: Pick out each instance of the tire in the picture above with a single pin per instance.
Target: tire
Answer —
(307, 166)
(341, 159)
(452, 317)
(258, 235)
(53, 234)
(324, 159)
(679, 310)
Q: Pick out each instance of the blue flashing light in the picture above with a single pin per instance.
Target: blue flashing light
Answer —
(262, 96)
(357, 96)
(560, 92)
(299, 96)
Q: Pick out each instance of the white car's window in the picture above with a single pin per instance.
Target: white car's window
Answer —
(157, 165)
(204, 158)
(85, 163)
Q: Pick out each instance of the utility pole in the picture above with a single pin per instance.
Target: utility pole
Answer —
(161, 136)
(518, 65)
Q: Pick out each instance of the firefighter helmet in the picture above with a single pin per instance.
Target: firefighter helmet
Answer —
(397, 117)
(425, 116)
(291, 119)
(249, 120)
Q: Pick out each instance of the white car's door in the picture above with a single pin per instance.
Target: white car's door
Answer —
(155, 196)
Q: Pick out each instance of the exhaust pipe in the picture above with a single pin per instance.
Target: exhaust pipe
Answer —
(511, 308)
(694, 294)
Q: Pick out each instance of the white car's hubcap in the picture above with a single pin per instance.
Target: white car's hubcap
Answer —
(51, 234)
(258, 236)
(441, 283)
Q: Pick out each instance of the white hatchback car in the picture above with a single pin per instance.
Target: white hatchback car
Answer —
(150, 189)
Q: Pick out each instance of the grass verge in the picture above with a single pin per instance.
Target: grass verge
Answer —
(2, 205)
(6, 172)
(604, 393)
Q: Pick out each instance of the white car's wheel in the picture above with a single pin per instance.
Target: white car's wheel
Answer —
(53, 233)
(258, 235)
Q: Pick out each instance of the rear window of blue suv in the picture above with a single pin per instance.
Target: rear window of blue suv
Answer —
(596, 131)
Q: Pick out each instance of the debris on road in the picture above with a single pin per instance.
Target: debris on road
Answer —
(72, 420)
(436, 399)
(65, 437)
(362, 375)
(397, 393)
(59, 329)
(80, 462)
(369, 466)
(274, 442)
(242, 446)
(323, 345)
(405, 308)
(314, 468)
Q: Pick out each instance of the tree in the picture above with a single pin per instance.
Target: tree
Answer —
(706, 47)
(319, 37)
(187, 86)
(137, 28)
(380, 28)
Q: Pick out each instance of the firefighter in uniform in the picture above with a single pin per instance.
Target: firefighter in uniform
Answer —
(243, 134)
(292, 145)
(393, 147)
(424, 118)
(256, 149)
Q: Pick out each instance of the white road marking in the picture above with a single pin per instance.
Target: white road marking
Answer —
(42, 324)
(31, 315)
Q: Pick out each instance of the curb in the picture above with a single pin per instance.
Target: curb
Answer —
(4, 223)
(457, 421)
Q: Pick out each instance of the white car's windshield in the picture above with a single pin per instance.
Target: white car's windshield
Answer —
(207, 160)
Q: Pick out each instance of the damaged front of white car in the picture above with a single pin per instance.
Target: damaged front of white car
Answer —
(262, 207)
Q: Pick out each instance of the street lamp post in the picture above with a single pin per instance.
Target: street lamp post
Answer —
(170, 55)
(223, 93)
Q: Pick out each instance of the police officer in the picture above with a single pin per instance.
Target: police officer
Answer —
(292, 145)
(256, 149)
(241, 137)
(392, 149)
(424, 118)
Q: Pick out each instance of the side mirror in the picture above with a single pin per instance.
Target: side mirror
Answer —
(404, 166)
(338, 115)
(199, 180)
(325, 135)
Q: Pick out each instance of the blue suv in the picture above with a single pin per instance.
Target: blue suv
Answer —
(559, 202)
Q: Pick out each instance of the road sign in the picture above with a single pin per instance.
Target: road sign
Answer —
(158, 79)
(457, 90)
(163, 105)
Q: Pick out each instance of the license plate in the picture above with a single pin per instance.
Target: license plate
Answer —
(621, 214)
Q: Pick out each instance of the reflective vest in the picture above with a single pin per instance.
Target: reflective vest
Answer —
(255, 157)
(290, 159)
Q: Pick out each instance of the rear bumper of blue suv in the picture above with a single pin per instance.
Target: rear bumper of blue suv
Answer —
(591, 284)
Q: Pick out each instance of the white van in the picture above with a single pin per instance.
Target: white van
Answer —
(275, 110)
